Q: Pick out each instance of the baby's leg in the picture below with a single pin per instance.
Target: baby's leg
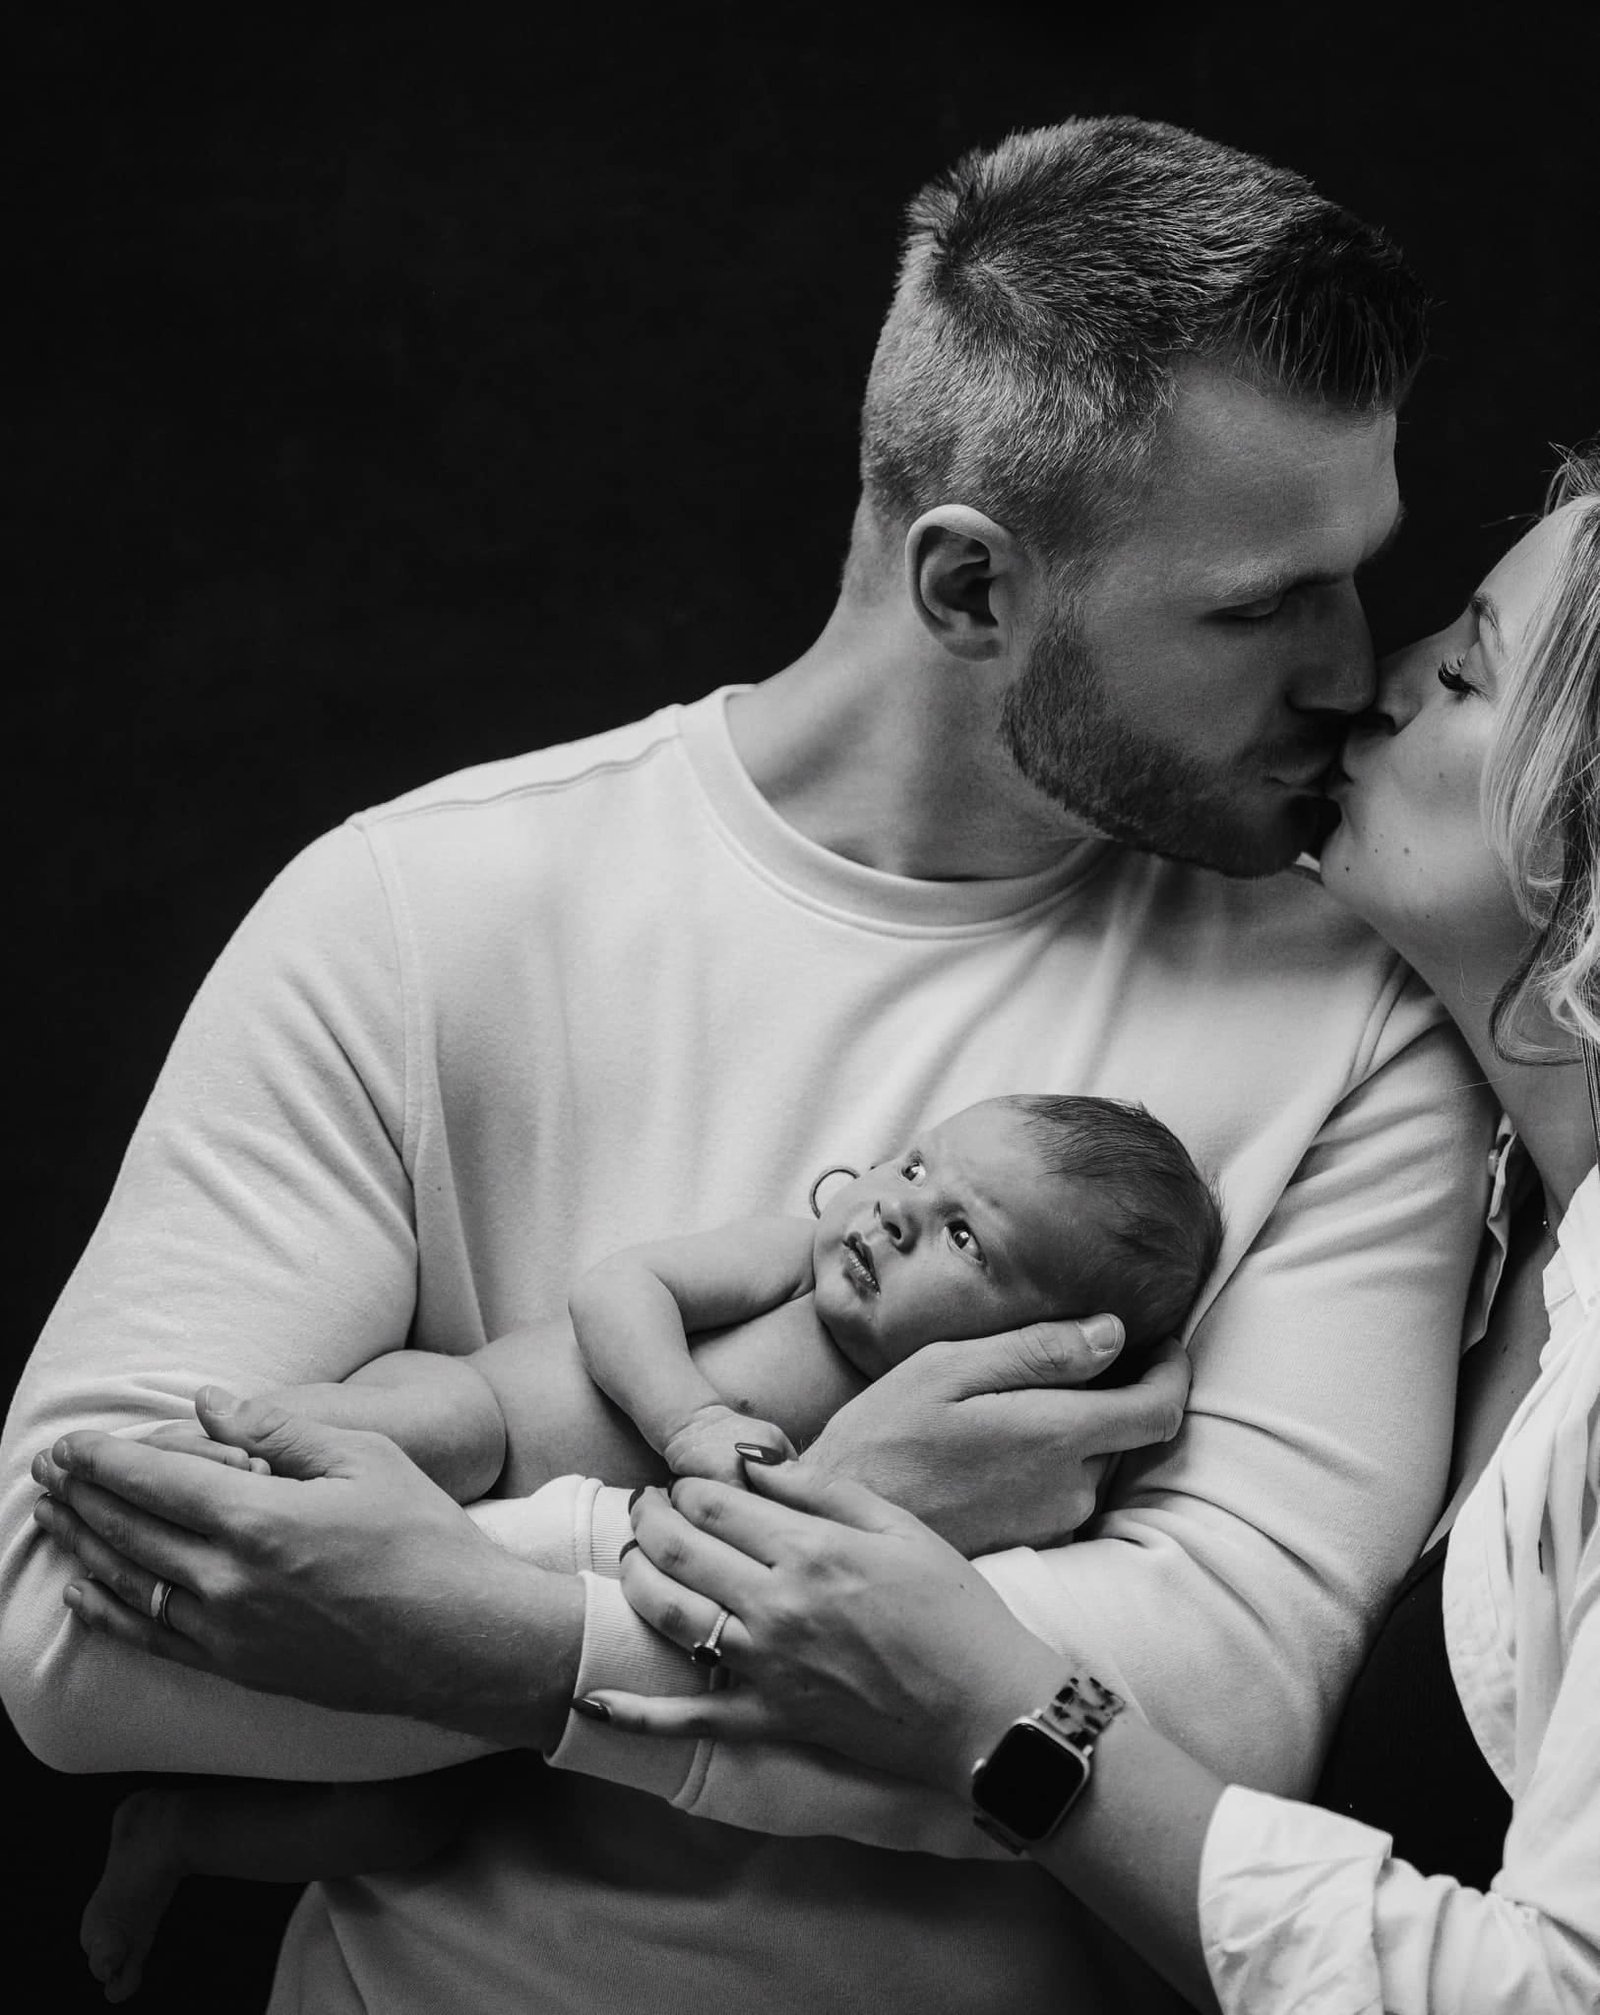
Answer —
(437, 1408)
(257, 1832)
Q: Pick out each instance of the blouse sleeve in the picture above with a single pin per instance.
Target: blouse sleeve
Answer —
(1304, 1909)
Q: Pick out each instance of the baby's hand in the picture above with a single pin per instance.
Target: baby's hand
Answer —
(190, 1438)
(705, 1444)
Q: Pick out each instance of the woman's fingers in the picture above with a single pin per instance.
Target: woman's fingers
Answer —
(823, 1495)
(736, 1716)
(681, 1613)
(767, 1521)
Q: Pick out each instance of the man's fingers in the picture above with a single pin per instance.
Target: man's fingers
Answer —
(1046, 1354)
(1116, 1419)
(113, 1571)
(181, 1489)
(101, 1612)
(287, 1442)
(85, 1519)
(1038, 1354)
(188, 1438)
(738, 1716)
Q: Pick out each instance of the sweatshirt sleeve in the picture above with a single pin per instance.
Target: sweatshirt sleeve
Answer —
(1257, 1546)
(260, 1232)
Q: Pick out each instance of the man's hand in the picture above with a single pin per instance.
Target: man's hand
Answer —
(345, 1577)
(989, 1442)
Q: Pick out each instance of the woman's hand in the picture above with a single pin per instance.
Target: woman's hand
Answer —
(851, 1625)
(991, 1442)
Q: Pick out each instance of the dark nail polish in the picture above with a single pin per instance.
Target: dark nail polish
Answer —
(592, 1710)
(634, 1496)
(755, 1451)
(627, 1547)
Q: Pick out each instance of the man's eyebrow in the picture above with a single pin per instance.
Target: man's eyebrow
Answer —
(1246, 588)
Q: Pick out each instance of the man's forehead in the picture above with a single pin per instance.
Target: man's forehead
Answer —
(1251, 487)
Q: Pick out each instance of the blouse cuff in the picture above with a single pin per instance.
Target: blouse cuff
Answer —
(1286, 1907)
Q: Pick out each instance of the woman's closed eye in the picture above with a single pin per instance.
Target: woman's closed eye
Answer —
(1451, 678)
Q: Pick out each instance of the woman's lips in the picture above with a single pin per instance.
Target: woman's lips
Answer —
(858, 1264)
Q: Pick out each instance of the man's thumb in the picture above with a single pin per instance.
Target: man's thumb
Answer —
(1055, 1353)
(291, 1444)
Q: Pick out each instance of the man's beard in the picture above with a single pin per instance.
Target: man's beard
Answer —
(1060, 729)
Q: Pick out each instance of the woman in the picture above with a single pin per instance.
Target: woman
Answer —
(1470, 837)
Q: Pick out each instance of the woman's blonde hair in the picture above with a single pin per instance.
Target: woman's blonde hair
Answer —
(1541, 794)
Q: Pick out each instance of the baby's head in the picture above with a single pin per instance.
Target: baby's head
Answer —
(1014, 1211)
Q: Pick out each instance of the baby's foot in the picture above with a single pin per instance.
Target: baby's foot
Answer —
(143, 1868)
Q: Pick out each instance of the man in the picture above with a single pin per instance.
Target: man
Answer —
(1126, 444)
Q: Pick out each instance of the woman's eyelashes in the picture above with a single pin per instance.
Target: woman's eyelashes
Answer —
(1451, 678)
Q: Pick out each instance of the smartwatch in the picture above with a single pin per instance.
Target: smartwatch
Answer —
(1038, 1769)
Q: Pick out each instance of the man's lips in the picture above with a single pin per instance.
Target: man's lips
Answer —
(858, 1263)
(1310, 772)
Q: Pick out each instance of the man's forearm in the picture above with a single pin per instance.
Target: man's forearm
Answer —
(520, 1643)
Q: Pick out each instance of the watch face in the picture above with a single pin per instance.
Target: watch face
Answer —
(1029, 1781)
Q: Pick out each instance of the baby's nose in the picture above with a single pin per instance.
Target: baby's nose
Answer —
(898, 1219)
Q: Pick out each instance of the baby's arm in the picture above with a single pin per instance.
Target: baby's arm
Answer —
(633, 1315)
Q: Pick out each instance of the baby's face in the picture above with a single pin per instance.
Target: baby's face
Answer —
(961, 1234)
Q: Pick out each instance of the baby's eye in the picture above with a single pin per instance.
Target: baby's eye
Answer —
(913, 1167)
(965, 1241)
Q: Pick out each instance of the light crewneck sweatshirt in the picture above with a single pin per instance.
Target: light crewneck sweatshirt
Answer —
(472, 1041)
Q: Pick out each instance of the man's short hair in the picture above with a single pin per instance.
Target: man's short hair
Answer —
(1051, 285)
(1158, 1218)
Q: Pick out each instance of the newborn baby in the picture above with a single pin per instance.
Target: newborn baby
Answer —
(1016, 1210)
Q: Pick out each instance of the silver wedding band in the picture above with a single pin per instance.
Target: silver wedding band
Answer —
(160, 1596)
(709, 1650)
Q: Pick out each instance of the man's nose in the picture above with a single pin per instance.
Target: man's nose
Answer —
(1401, 678)
(1339, 675)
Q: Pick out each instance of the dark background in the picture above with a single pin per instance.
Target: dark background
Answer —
(398, 398)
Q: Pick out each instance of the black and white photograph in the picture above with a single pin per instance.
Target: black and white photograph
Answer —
(806, 973)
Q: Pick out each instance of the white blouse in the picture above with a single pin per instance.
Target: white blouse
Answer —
(1304, 1910)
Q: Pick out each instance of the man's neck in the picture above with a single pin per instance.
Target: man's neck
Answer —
(890, 755)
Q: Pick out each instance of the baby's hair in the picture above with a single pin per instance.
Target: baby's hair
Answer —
(1160, 1217)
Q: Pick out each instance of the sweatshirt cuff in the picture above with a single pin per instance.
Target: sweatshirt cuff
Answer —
(623, 1653)
(571, 1525)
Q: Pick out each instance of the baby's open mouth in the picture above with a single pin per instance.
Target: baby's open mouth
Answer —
(859, 1262)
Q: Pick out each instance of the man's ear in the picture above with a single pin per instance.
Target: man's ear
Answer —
(965, 575)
